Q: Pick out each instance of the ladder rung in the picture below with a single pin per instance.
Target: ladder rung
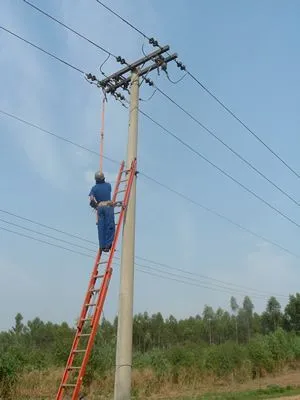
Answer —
(123, 180)
(91, 304)
(79, 351)
(99, 276)
(68, 385)
(118, 212)
(102, 262)
(84, 334)
(94, 290)
(121, 191)
(73, 368)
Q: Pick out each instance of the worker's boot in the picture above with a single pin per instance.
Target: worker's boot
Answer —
(106, 249)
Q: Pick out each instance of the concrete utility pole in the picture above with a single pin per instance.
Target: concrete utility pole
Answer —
(119, 80)
(125, 323)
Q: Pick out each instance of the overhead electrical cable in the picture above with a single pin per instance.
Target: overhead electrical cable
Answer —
(64, 139)
(223, 172)
(70, 29)
(163, 265)
(210, 132)
(195, 79)
(154, 180)
(175, 103)
(168, 275)
(44, 51)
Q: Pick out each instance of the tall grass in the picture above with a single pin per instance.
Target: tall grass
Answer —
(156, 371)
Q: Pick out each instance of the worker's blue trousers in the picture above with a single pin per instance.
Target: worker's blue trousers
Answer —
(106, 226)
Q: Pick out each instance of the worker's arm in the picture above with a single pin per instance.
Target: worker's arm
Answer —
(93, 202)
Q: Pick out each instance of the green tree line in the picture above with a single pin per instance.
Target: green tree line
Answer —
(217, 341)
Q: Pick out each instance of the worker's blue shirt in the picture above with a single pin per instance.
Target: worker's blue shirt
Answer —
(101, 191)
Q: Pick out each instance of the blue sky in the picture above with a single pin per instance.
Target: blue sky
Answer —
(246, 53)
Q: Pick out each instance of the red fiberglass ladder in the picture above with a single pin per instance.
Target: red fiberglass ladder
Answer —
(94, 300)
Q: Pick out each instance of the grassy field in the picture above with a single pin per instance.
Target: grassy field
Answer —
(43, 386)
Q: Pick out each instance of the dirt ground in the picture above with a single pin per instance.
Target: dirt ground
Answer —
(287, 378)
(289, 397)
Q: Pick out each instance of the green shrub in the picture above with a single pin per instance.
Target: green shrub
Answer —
(294, 344)
(260, 354)
(279, 346)
(101, 362)
(225, 358)
(9, 370)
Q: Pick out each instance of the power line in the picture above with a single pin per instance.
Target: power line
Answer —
(164, 129)
(233, 151)
(55, 135)
(230, 292)
(45, 242)
(211, 211)
(244, 125)
(183, 279)
(68, 141)
(222, 171)
(217, 214)
(124, 20)
(194, 274)
(46, 235)
(210, 132)
(44, 51)
(164, 94)
(151, 40)
(118, 58)
(260, 292)
(46, 226)
(189, 147)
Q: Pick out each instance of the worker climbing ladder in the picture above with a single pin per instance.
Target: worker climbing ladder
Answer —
(95, 297)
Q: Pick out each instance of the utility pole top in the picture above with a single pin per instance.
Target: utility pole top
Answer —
(122, 78)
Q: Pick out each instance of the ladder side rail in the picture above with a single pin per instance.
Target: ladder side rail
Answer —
(118, 181)
(102, 297)
(79, 329)
(92, 282)
(130, 182)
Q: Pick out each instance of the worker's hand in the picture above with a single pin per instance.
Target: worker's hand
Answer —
(93, 203)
